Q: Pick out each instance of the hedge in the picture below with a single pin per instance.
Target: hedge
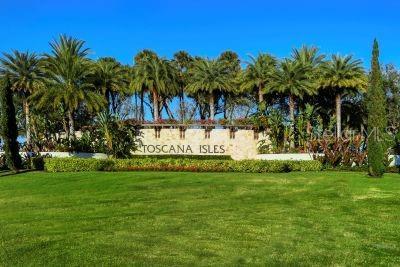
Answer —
(178, 164)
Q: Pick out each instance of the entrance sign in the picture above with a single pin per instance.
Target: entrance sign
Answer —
(195, 141)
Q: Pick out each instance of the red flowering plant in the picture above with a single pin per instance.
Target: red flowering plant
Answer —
(187, 121)
(206, 122)
(242, 121)
(166, 121)
(223, 121)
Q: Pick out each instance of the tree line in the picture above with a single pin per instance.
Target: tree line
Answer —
(64, 90)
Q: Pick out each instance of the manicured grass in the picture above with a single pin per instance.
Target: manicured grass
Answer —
(160, 218)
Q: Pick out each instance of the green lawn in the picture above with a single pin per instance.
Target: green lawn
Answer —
(159, 218)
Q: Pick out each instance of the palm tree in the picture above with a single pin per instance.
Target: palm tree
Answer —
(292, 79)
(258, 74)
(309, 57)
(231, 63)
(183, 60)
(342, 75)
(156, 75)
(210, 77)
(26, 75)
(111, 79)
(68, 85)
(137, 85)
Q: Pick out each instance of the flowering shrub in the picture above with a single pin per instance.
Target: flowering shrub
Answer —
(165, 121)
(243, 121)
(205, 122)
(223, 122)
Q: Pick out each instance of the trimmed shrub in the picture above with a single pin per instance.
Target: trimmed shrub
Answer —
(35, 162)
(76, 165)
(178, 164)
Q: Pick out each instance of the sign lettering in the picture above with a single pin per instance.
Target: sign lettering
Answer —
(182, 149)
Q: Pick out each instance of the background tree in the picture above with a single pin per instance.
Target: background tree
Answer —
(391, 83)
(342, 75)
(68, 85)
(309, 57)
(257, 75)
(136, 83)
(377, 121)
(26, 76)
(231, 62)
(291, 79)
(111, 79)
(158, 76)
(183, 60)
(209, 77)
(8, 129)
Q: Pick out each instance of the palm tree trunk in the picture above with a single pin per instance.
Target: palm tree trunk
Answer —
(27, 120)
(202, 111)
(142, 105)
(260, 95)
(182, 105)
(338, 115)
(136, 107)
(309, 129)
(160, 107)
(71, 125)
(108, 100)
(291, 109)
(114, 102)
(225, 107)
(291, 116)
(155, 105)
(212, 108)
(65, 127)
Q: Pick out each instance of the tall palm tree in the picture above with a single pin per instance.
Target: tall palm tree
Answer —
(258, 74)
(342, 75)
(292, 79)
(156, 75)
(309, 57)
(183, 60)
(68, 86)
(111, 79)
(137, 85)
(26, 75)
(312, 60)
(210, 77)
(232, 68)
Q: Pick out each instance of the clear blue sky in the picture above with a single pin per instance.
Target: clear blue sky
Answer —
(205, 27)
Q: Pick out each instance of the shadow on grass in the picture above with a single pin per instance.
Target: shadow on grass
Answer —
(4, 173)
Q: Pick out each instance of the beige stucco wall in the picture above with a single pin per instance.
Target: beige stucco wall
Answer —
(243, 146)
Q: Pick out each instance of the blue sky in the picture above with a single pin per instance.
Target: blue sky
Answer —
(122, 28)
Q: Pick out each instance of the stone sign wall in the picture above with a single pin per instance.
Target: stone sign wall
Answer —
(239, 144)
